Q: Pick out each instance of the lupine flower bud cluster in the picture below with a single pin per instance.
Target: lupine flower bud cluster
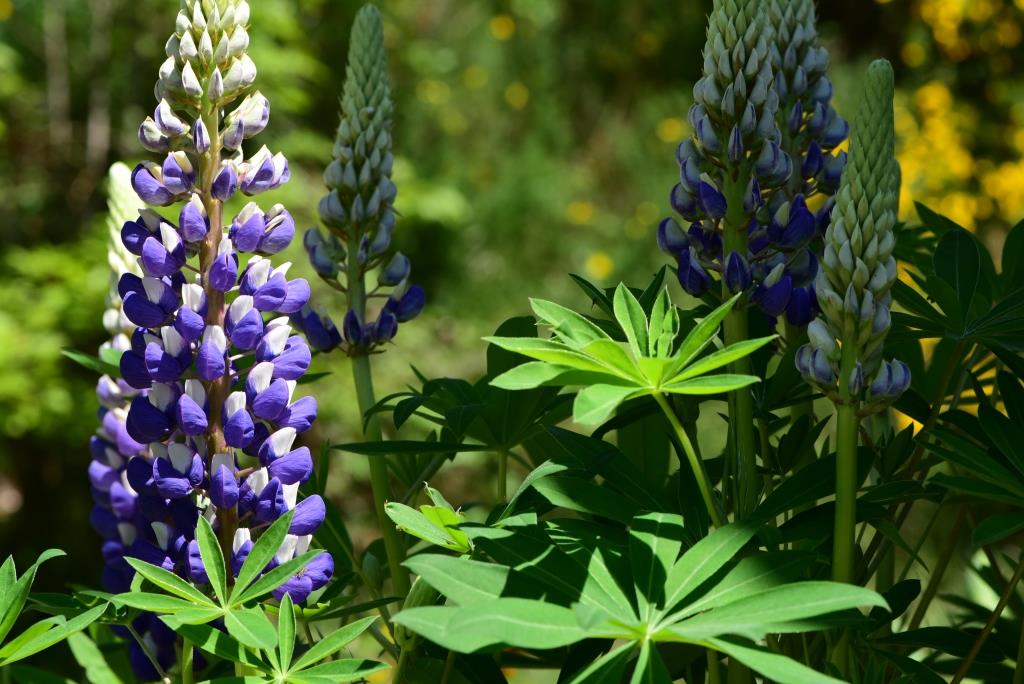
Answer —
(763, 79)
(858, 267)
(212, 355)
(810, 126)
(358, 211)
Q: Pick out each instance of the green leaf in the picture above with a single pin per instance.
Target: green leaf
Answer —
(251, 627)
(750, 576)
(750, 616)
(599, 298)
(418, 525)
(462, 580)
(650, 668)
(595, 403)
(567, 324)
(217, 643)
(613, 355)
(532, 374)
(700, 336)
(276, 577)
(711, 384)
(703, 560)
(632, 320)
(192, 616)
(1013, 259)
(722, 357)
(90, 658)
(447, 519)
(16, 592)
(585, 496)
(655, 540)
(998, 527)
(608, 669)
(771, 665)
(261, 554)
(333, 642)
(25, 674)
(213, 559)
(154, 603)
(92, 363)
(344, 670)
(405, 446)
(51, 636)
(286, 631)
(958, 262)
(169, 582)
(517, 622)
(1002, 432)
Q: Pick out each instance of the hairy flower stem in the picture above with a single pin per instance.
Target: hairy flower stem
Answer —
(216, 391)
(362, 374)
(979, 640)
(741, 405)
(695, 464)
(843, 538)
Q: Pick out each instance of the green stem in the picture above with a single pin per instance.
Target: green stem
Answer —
(979, 641)
(1018, 670)
(362, 374)
(695, 462)
(186, 661)
(714, 673)
(502, 475)
(844, 534)
(741, 403)
(403, 661)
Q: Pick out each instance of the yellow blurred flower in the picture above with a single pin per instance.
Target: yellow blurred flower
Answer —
(474, 77)
(913, 54)
(6, 9)
(646, 44)
(432, 91)
(599, 265)
(517, 95)
(580, 212)
(502, 27)
(671, 129)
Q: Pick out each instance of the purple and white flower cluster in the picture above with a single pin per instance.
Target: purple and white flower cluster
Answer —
(211, 365)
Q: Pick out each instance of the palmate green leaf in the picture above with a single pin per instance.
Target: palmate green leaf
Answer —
(461, 580)
(260, 555)
(711, 384)
(101, 366)
(534, 374)
(1012, 276)
(213, 559)
(998, 527)
(15, 589)
(276, 577)
(516, 622)
(333, 642)
(169, 582)
(285, 632)
(543, 470)
(571, 327)
(26, 674)
(631, 318)
(595, 403)
(55, 634)
(336, 671)
(753, 616)
(957, 260)
(750, 576)
(614, 355)
(700, 336)
(585, 496)
(703, 560)
(655, 540)
(551, 351)
(447, 519)
(155, 603)
(772, 665)
(1002, 432)
(599, 298)
(250, 627)
(420, 526)
(192, 616)
(91, 660)
(217, 643)
(722, 357)
(407, 446)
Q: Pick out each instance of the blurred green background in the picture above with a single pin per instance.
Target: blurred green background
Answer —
(533, 138)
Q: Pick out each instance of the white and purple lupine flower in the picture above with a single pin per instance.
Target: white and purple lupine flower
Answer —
(204, 419)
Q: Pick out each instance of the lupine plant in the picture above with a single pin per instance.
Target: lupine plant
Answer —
(775, 545)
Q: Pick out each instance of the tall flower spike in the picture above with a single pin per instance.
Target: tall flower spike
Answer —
(811, 128)
(844, 356)
(209, 318)
(358, 210)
